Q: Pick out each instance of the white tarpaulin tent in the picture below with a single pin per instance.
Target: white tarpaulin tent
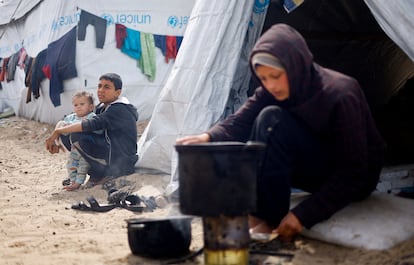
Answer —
(33, 24)
(204, 76)
(396, 19)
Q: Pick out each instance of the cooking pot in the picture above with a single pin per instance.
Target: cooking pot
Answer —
(218, 177)
(159, 237)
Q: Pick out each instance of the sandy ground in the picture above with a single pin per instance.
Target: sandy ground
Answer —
(38, 226)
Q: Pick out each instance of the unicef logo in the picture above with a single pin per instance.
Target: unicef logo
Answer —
(108, 18)
(260, 6)
(173, 21)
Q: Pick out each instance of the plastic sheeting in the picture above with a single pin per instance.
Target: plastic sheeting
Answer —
(15, 9)
(396, 19)
(379, 222)
(49, 20)
(199, 85)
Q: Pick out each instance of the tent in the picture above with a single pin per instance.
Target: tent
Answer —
(209, 79)
(343, 35)
(35, 24)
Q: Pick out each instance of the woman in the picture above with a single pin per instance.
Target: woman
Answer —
(319, 132)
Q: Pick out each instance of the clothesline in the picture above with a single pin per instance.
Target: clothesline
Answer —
(137, 44)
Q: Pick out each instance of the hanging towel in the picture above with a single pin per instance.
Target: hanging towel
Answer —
(132, 44)
(147, 61)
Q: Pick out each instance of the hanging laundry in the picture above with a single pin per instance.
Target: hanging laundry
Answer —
(147, 60)
(99, 23)
(171, 52)
(120, 35)
(4, 69)
(37, 74)
(291, 5)
(60, 64)
(28, 63)
(22, 58)
(141, 46)
(168, 45)
(11, 66)
(179, 41)
(160, 42)
(132, 44)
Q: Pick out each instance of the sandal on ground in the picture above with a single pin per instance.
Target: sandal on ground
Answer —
(94, 206)
(66, 182)
(132, 203)
(116, 196)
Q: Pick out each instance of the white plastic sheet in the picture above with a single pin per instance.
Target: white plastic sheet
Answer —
(377, 223)
(396, 18)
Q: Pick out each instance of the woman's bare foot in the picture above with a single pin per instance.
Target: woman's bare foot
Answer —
(73, 186)
(262, 228)
(257, 225)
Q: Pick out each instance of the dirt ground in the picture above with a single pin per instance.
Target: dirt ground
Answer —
(38, 226)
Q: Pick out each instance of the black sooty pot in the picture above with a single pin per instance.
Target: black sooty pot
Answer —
(218, 177)
(157, 238)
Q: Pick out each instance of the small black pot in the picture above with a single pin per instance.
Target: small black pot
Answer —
(158, 238)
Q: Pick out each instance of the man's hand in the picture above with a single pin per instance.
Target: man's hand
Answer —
(51, 145)
(288, 227)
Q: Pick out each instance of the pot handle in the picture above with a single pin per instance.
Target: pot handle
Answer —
(138, 226)
(254, 145)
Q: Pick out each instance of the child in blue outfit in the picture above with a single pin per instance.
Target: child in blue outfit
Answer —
(77, 166)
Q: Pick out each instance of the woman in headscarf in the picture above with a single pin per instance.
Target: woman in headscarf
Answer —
(319, 133)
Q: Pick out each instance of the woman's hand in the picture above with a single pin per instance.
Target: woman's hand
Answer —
(288, 227)
(194, 139)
